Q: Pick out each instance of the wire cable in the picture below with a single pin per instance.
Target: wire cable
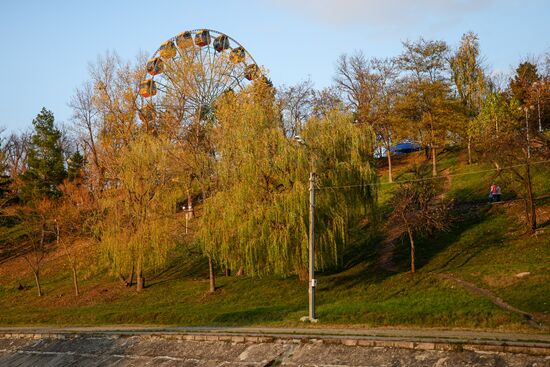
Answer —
(432, 178)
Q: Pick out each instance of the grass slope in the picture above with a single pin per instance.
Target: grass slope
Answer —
(487, 247)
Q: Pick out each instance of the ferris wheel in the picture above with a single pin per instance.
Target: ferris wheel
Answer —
(189, 71)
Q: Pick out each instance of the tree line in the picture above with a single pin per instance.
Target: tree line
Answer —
(233, 183)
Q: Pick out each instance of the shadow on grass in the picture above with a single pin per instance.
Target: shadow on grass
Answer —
(184, 263)
(478, 223)
(359, 263)
(257, 315)
(364, 274)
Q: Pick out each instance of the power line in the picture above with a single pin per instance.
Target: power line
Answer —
(431, 178)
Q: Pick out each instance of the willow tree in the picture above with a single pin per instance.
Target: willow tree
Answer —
(258, 217)
(139, 225)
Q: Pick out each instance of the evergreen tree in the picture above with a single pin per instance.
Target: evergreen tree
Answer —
(75, 167)
(521, 84)
(45, 166)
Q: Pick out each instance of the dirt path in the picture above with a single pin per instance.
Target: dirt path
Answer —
(446, 185)
(493, 298)
(386, 251)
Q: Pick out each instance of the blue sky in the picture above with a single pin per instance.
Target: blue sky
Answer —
(47, 45)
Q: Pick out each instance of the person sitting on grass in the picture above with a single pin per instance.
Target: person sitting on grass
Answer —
(492, 192)
(497, 194)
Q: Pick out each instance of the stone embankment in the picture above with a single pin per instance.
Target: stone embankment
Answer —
(238, 348)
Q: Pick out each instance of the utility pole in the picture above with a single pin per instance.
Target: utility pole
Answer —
(311, 238)
(312, 280)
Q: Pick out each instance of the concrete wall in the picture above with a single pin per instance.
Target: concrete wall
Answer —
(237, 350)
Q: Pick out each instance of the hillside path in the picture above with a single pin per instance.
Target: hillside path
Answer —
(493, 298)
(394, 232)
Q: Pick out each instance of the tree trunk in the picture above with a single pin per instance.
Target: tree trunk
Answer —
(37, 281)
(123, 280)
(140, 282)
(75, 281)
(532, 207)
(469, 150)
(303, 274)
(411, 239)
(432, 146)
(131, 281)
(240, 272)
(434, 162)
(390, 177)
(227, 271)
(211, 275)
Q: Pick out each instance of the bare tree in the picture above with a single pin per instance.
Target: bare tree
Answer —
(3, 151)
(354, 80)
(37, 237)
(17, 147)
(516, 149)
(87, 125)
(295, 103)
(383, 117)
(5, 180)
(326, 100)
(418, 209)
(72, 213)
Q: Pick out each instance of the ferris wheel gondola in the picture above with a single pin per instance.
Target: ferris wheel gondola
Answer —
(190, 71)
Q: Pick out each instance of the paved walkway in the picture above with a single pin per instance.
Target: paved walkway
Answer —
(309, 332)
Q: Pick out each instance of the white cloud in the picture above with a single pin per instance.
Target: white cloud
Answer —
(391, 13)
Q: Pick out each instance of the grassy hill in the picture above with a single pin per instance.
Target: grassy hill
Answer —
(461, 276)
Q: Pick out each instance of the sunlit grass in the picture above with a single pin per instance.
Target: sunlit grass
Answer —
(487, 247)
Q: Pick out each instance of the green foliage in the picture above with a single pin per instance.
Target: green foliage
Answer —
(361, 295)
(426, 102)
(45, 166)
(469, 80)
(248, 184)
(75, 167)
(468, 74)
(258, 218)
(496, 115)
(139, 226)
